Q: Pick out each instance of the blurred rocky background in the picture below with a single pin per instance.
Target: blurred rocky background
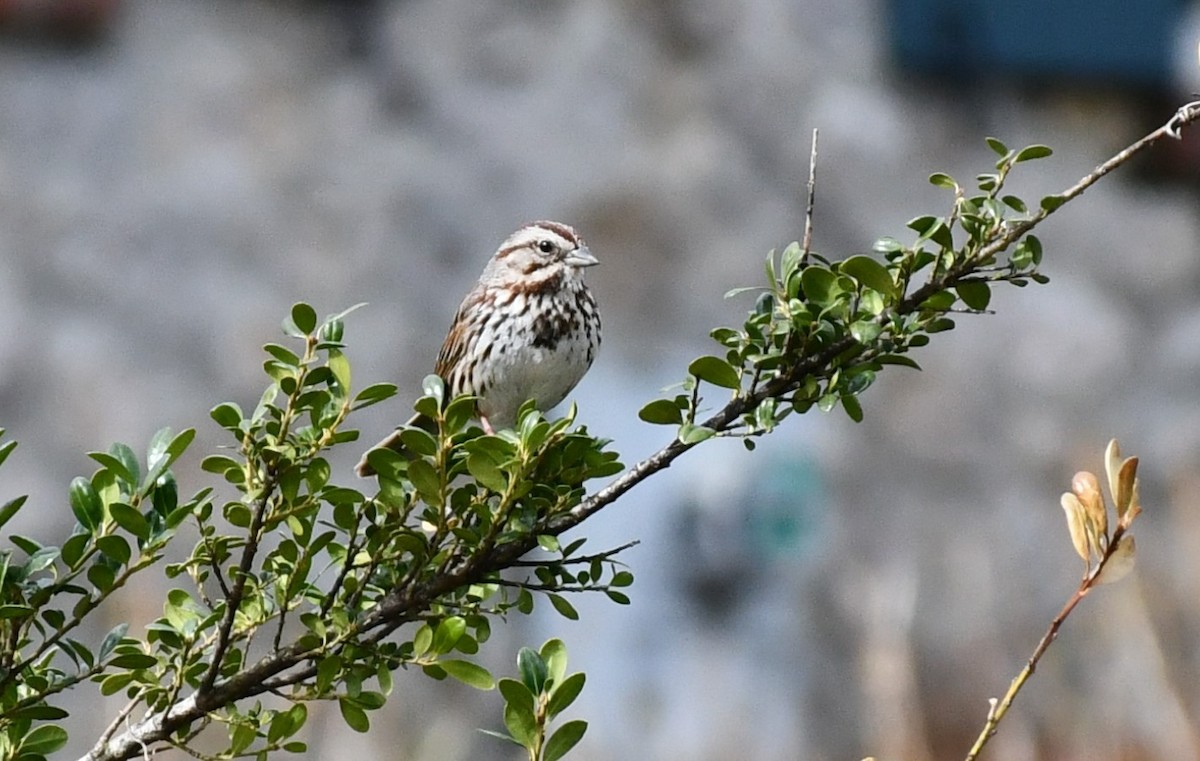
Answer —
(175, 173)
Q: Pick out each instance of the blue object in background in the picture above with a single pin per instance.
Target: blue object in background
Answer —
(1112, 42)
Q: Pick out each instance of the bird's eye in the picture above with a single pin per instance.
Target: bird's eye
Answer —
(545, 246)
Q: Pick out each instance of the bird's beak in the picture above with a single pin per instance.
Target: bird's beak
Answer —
(581, 257)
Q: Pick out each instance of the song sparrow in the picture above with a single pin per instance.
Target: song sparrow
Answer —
(529, 329)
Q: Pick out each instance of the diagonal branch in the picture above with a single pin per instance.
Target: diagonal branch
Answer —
(1187, 115)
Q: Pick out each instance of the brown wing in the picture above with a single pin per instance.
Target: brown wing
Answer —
(454, 358)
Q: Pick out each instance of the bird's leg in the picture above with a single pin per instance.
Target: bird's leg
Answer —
(487, 426)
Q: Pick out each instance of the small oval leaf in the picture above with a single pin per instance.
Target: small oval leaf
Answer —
(661, 412)
(468, 673)
(976, 294)
(563, 739)
(716, 371)
(1031, 152)
(869, 273)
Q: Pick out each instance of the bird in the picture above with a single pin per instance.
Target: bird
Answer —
(528, 330)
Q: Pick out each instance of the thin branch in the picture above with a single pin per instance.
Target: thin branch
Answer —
(537, 587)
(118, 721)
(574, 561)
(1186, 115)
(806, 246)
(996, 713)
(663, 458)
(234, 600)
(81, 611)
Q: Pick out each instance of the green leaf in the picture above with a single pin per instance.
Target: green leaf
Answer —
(898, 359)
(565, 609)
(870, 273)
(115, 547)
(939, 325)
(661, 412)
(331, 332)
(114, 463)
(620, 598)
(11, 507)
(340, 367)
(423, 640)
(922, 225)
(819, 285)
(485, 470)
(887, 245)
(85, 503)
(283, 354)
(112, 639)
(128, 459)
(1034, 244)
(240, 736)
(287, 723)
(166, 495)
(433, 386)
(564, 694)
(533, 669)
(865, 331)
(327, 673)
(73, 548)
(554, 653)
(101, 577)
(1015, 203)
(42, 741)
(938, 302)
(716, 371)
(447, 634)
(976, 294)
(179, 444)
(853, 408)
(40, 559)
(304, 317)
(6, 449)
(943, 180)
(1031, 152)
(370, 700)
(227, 415)
(133, 661)
(563, 739)
(130, 519)
(425, 479)
(220, 464)
(521, 725)
(516, 694)
(998, 147)
(374, 394)
(468, 673)
(694, 434)
(37, 713)
(354, 716)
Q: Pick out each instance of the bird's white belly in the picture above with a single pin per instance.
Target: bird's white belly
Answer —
(533, 372)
